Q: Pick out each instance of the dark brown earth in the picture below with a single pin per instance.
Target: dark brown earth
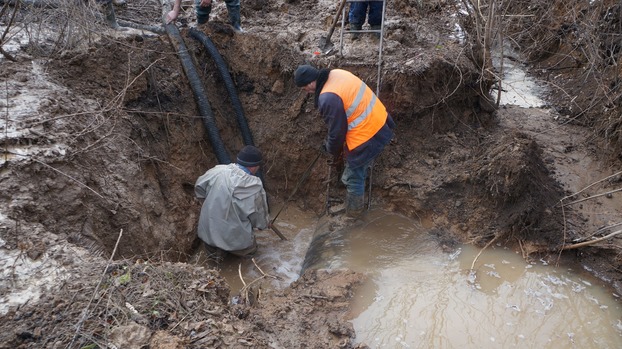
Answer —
(115, 145)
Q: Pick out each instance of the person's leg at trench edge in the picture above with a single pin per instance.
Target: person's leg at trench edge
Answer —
(202, 12)
(354, 180)
(375, 16)
(218, 254)
(233, 8)
(109, 15)
(248, 252)
(356, 17)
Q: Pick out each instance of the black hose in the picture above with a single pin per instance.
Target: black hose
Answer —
(199, 95)
(240, 118)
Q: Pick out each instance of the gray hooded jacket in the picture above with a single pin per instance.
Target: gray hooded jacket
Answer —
(235, 203)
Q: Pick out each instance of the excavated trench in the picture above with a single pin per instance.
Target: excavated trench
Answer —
(448, 168)
(285, 132)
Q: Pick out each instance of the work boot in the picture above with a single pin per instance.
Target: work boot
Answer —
(354, 204)
(355, 36)
(111, 20)
(202, 13)
(376, 27)
(234, 18)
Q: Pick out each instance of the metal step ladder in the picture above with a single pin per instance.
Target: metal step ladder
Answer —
(380, 31)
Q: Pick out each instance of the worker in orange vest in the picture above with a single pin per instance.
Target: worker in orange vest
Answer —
(359, 126)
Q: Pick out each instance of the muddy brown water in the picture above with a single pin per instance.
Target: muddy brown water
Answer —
(420, 296)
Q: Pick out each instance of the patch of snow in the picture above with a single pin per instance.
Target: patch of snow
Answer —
(24, 279)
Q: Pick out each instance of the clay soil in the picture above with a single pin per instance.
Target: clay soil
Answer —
(102, 143)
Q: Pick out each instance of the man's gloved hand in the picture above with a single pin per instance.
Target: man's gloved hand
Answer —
(334, 161)
(324, 151)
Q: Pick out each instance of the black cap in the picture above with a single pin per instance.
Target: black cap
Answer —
(249, 156)
(305, 74)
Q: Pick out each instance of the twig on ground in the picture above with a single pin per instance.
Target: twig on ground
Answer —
(602, 230)
(590, 242)
(244, 291)
(55, 118)
(314, 296)
(7, 55)
(61, 172)
(240, 274)
(6, 124)
(472, 273)
(591, 185)
(178, 322)
(13, 274)
(593, 197)
(559, 255)
(482, 250)
(86, 310)
(6, 31)
(262, 272)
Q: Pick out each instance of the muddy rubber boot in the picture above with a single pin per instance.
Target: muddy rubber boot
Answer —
(376, 27)
(111, 19)
(355, 36)
(202, 13)
(354, 205)
(234, 18)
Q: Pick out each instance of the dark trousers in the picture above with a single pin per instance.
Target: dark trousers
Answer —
(358, 12)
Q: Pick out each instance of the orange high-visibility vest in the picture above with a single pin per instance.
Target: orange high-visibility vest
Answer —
(365, 112)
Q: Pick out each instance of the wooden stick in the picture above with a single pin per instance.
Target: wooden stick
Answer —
(277, 232)
(262, 272)
(240, 274)
(593, 196)
(591, 242)
(604, 179)
(482, 250)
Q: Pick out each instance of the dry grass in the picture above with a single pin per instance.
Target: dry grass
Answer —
(577, 46)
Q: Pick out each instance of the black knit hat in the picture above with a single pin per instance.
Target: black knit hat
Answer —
(249, 156)
(305, 74)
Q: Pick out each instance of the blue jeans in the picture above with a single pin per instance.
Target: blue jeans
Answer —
(358, 12)
(354, 178)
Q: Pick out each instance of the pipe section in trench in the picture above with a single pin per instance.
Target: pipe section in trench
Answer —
(329, 243)
(221, 65)
(205, 110)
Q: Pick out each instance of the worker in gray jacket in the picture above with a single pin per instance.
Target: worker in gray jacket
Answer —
(235, 204)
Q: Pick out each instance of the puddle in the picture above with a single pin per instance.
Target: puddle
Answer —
(421, 297)
(518, 88)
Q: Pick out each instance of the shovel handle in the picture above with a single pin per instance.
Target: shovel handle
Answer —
(332, 27)
(277, 232)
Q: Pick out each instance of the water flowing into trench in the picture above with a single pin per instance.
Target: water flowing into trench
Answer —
(420, 294)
